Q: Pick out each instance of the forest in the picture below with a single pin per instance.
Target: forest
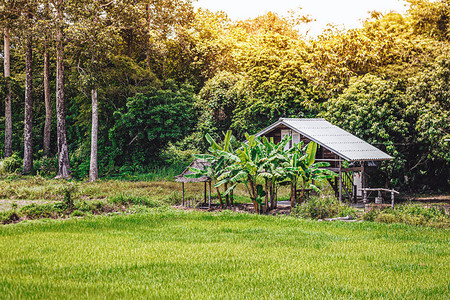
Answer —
(103, 88)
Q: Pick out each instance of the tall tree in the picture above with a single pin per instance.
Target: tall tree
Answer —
(28, 130)
(47, 99)
(9, 12)
(63, 150)
(92, 38)
(8, 115)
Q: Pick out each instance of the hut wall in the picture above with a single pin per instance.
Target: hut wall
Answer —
(322, 153)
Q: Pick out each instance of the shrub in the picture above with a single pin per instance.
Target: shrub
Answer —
(122, 199)
(68, 191)
(34, 211)
(410, 214)
(322, 207)
(10, 165)
(77, 213)
(9, 217)
(91, 206)
(46, 166)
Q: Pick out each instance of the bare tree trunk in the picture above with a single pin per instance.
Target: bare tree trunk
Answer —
(220, 197)
(253, 195)
(63, 151)
(48, 104)
(266, 200)
(227, 197)
(293, 192)
(93, 170)
(272, 195)
(28, 130)
(8, 115)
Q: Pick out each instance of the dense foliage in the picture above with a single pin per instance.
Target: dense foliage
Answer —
(166, 75)
(262, 167)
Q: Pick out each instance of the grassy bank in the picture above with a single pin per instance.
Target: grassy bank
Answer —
(178, 254)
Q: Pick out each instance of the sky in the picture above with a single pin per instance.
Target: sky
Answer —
(347, 13)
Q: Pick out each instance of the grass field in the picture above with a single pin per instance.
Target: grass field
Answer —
(175, 254)
(34, 189)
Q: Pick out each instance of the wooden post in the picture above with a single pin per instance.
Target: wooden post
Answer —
(204, 194)
(392, 199)
(364, 196)
(340, 180)
(209, 195)
(182, 193)
(363, 175)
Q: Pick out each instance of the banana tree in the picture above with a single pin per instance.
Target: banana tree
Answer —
(302, 166)
(276, 161)
(251, 165)
(218, 163)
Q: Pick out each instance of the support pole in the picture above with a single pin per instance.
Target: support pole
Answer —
(392, 199)
(363, 175)
(204, 194)
(209, 196)
(182, 193)
(340, 180)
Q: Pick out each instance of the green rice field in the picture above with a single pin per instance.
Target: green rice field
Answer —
(174, 254)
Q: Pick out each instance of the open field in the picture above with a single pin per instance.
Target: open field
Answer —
(26, 190)
(176, 254)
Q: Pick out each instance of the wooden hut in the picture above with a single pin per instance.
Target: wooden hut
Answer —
(335, 145)
(197, 164)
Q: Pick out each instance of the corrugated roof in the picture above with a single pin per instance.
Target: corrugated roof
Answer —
(331, 137)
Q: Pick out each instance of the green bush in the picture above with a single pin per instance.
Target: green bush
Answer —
(89, 206)
(77, 213)
(10, 165)
(68, 191)
(322, 207)
(9, 217)
(410, 214)
(46, 166)
(34, 211)
(122, 199)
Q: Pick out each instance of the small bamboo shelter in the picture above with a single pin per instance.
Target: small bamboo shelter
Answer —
(198, 164)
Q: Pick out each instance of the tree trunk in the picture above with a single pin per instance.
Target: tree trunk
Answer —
(266, 200)
(227, 198)
(8, 115)
(93, 170)
(253, 195)
(293, 191)
(48, 104)
(220, 197)
(302, 194)
(63, 151)
(272, 195)
(28, 130)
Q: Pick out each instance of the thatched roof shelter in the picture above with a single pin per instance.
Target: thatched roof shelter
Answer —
(198, 164)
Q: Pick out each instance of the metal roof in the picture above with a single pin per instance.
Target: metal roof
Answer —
(342, 143)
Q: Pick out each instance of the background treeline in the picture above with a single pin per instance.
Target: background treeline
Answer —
(161, 75)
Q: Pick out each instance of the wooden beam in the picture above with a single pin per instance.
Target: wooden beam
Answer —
(182, 193)
(204, 194)
(392, 199)
(340, 180)
(209, 196)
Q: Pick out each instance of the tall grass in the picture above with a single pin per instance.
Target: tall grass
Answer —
(154, 174)
(187, 255)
